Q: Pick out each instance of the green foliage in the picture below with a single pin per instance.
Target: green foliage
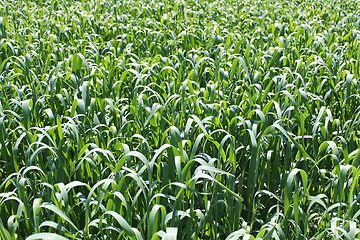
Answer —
(139, 119)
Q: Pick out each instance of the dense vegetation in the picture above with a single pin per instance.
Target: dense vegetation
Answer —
(199, 119)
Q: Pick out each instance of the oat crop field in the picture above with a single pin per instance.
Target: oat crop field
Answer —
(174, 119)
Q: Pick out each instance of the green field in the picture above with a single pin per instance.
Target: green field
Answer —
(174, 119)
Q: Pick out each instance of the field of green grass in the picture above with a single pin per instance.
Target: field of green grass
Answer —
(174, 119)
